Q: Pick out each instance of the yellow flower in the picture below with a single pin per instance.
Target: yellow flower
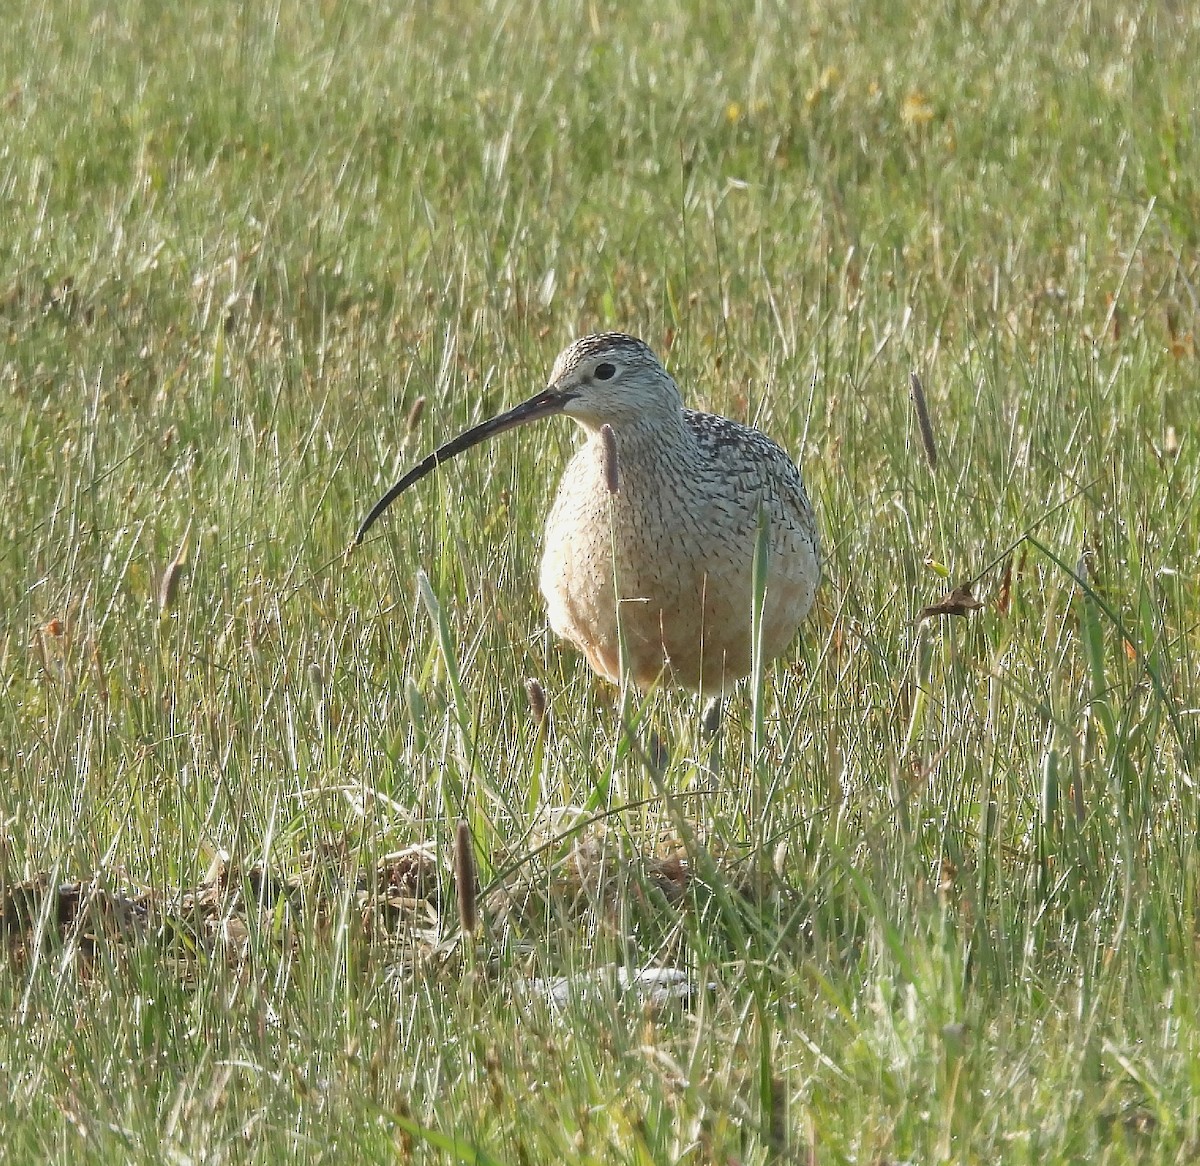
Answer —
(915, 110)
(829, 78)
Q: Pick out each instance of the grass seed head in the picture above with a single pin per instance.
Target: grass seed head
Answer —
(921, 407)
(464, 878)
(536, 695)
(611, 471)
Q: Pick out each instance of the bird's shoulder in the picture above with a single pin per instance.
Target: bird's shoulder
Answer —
(742, 450)
(747, 467)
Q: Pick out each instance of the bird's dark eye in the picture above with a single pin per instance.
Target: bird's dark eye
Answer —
(605, 371)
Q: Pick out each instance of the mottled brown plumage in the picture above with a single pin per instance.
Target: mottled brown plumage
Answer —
(676, 541)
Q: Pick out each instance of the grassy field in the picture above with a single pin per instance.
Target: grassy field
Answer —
(935, 886)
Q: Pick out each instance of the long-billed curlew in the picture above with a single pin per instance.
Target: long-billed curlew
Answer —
(678, 534)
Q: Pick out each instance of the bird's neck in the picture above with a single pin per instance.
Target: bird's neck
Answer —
(649, 450)
(664, 431)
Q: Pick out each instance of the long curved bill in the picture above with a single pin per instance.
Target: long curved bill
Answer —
(545, 404)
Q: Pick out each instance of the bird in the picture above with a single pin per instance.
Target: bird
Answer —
(648, 552)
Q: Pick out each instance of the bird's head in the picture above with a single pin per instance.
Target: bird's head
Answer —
(613, 379)
(607, 379)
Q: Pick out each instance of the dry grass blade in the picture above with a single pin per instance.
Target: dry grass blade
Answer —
(1005, 597)
(168, 586)
(959, 602)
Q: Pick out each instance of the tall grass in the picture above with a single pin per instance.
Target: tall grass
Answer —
(940, 890)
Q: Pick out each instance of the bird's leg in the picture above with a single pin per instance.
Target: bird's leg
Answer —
(711, 738)
(710, 716)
